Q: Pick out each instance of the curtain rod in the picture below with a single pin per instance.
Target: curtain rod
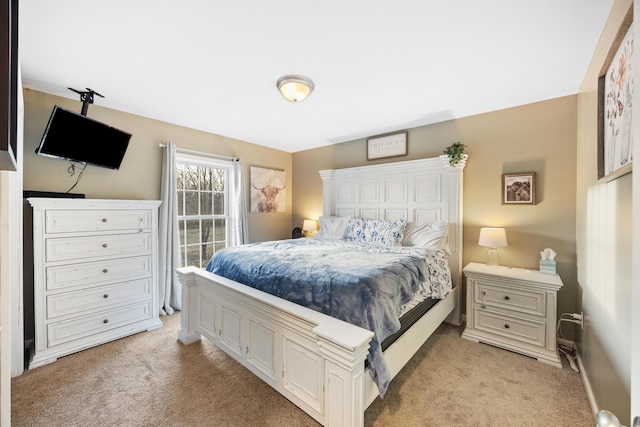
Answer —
(198, 153)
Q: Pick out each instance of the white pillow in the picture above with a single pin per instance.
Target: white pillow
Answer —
(333, 227)
(429, 235)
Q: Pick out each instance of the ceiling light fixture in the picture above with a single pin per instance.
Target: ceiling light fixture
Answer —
(295, 88)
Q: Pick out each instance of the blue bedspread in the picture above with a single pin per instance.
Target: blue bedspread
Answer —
(361, 284)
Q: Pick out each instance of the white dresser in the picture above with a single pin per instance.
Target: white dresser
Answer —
(513, 308)
(95, 273)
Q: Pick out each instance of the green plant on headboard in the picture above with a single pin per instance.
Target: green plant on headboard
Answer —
(455, 152)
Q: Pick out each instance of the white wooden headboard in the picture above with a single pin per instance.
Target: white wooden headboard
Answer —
(425, 190)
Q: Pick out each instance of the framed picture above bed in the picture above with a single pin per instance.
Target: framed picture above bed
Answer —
(388, 145)
(268, 190)
(519, 188)
(615, 105)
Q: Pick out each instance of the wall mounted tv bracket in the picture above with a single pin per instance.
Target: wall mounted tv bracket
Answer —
(86, 98)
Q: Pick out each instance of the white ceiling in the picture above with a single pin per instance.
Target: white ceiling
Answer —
(378, 66)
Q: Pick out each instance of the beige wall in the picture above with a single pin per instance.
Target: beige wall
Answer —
(140, 173)
(604, 247)
(539, 138)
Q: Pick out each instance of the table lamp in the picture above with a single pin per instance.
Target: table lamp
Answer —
(493, 238)
(309, 226)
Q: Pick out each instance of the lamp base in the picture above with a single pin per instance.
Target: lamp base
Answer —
(492, 256)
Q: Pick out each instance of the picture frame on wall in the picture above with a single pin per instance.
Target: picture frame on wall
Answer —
(519, 188)
(268, 189)
(615, 105)
(388, 145)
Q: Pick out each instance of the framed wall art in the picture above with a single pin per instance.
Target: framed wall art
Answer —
(268, 192)
(389, 145)
(615, 105)
(519, 188)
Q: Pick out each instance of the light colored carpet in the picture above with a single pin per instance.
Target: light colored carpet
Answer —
(152, 379)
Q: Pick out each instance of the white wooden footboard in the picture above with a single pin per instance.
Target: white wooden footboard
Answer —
(312, 359)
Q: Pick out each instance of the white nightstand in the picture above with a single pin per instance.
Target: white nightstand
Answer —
(513, 308)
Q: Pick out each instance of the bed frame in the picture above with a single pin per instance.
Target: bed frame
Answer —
(314, 360)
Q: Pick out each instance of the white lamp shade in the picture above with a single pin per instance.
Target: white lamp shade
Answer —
(493, 237)
(309, 225)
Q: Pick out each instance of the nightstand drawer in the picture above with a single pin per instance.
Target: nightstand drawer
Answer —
(523, 301)
(524, 330)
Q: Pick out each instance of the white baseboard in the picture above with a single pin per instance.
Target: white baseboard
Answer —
(587, 385)
(583, 375)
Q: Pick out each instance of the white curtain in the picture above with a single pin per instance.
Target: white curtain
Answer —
(238, 212)
(168, 238)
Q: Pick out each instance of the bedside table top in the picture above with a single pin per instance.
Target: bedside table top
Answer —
(513, 273)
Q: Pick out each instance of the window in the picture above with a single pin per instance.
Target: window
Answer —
(203, 189)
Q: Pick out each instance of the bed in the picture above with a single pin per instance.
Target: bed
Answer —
(322, 363)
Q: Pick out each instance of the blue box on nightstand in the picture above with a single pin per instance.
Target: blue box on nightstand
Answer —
(547, 267)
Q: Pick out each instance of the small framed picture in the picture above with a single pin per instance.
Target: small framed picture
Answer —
(519, 188)
(389, 145)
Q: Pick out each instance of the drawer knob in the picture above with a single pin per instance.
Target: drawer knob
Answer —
(105, 270)
(506, 326)
(105, 321)
(104, 219)
(484, 306)
(506, 297)
(105, 296)
(104, 245)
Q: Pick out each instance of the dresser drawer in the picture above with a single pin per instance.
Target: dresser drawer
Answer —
(99, 298)
(523, 301)
(109, 245)
(524, 330)
(91, 274)
(69, 221)
(82, 327)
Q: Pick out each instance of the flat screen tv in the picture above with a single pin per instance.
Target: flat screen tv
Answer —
(78, 138)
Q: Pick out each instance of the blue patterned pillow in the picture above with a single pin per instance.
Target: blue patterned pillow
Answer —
(379, 232)
(354, 229)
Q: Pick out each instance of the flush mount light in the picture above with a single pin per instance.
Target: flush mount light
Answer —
(295, 88)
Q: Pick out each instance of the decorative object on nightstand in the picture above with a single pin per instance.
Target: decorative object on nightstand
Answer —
(513, 308)
(296, 233)
(493, 238)
(548, 261)
(309, 226)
